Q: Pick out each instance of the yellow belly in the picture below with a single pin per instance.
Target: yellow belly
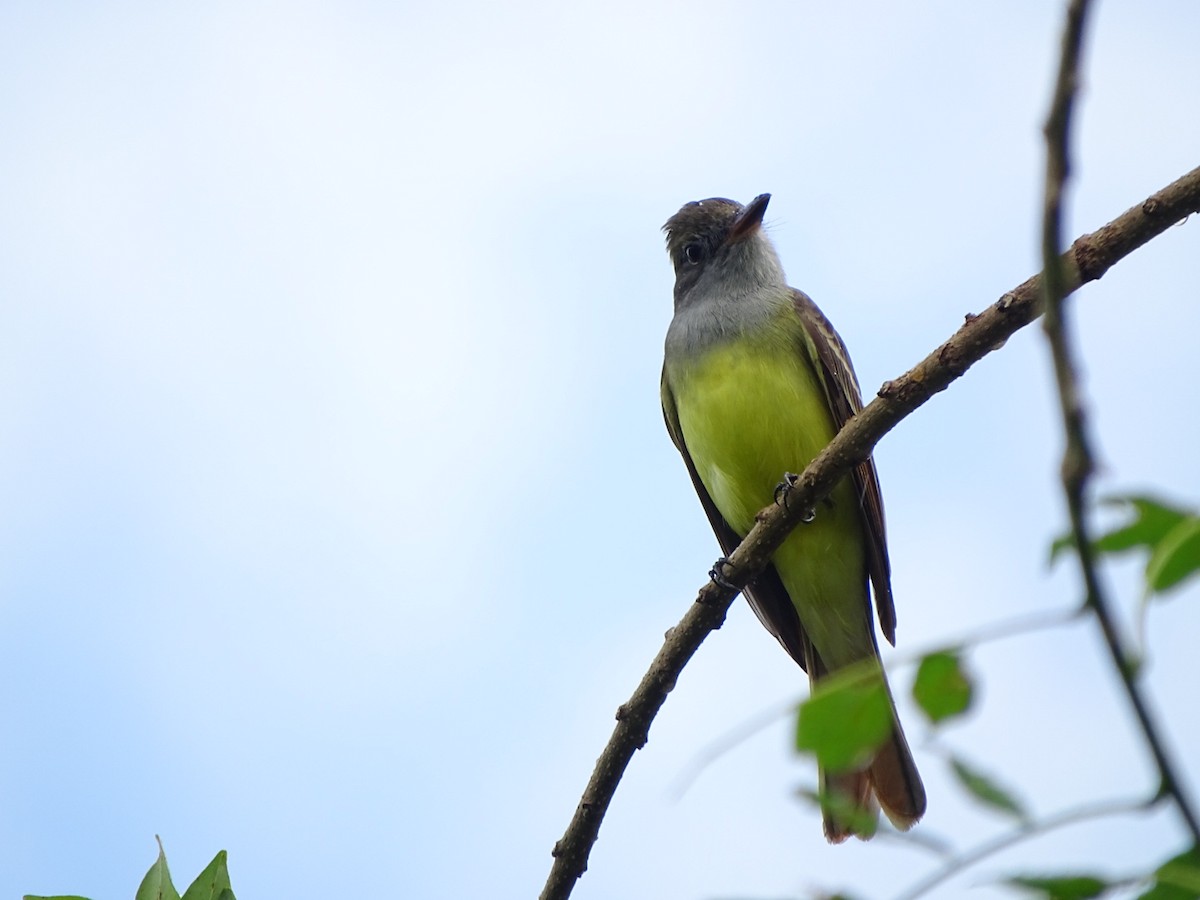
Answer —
(749, 412)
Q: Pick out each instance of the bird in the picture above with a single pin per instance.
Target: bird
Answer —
(755, 383)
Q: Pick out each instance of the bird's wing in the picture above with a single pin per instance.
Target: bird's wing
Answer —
(766, 593)
(841, 388)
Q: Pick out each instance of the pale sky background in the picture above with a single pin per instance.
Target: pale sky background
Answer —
(337, 515)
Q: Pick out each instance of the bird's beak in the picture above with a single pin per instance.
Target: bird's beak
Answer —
(749, 219)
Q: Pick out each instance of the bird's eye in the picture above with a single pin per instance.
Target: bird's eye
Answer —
(694, 252)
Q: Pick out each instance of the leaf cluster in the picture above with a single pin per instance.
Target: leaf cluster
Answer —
(211, 884)
(849, 715)
(1169, 535)
(1176, 879)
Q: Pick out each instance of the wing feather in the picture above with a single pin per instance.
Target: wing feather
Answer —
(845, 400)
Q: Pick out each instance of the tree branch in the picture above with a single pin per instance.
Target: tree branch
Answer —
(1078, 461)
(1088, 259)
(1025, 832)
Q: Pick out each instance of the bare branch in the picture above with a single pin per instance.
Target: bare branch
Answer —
(1025, 832)
(1087, 260)
(1078, 460)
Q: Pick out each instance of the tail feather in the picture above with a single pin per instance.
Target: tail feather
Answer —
(891, 781)
(848, 806)
(896, 782)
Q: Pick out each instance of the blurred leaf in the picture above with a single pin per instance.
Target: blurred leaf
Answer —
(986, 791)
(942, 688)
(213, 882)
(1151, 522)
(847, 718)
(1059, 545)
(843, 808)
(1062, 887)
(157, 883)
(1175, 557)
(1177, 879)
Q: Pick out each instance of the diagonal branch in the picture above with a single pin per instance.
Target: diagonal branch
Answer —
(1088, 259)
(1078, 461)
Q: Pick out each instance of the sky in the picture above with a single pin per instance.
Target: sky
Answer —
(337, 515)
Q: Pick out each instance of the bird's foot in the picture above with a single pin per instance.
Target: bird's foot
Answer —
(719, 578)
(784, 488)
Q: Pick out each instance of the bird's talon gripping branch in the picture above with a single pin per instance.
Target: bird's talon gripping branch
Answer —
(719, 578)
(784, 488)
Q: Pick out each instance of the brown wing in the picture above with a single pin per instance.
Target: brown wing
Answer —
(765, 594)
(841, 388)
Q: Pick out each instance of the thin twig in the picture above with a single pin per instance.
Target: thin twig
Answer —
(717, 748)
(916, 839)
(1088, 259)
(998, 631)
(1025, 832)
(1014, 627)
(1078, 460)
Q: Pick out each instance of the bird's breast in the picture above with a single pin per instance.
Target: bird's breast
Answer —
(749, 411)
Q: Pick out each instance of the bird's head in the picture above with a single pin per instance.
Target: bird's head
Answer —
(719, 242)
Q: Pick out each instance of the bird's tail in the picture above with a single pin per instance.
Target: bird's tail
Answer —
(852, 799)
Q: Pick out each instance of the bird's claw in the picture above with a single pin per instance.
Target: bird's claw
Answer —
(784, 488)
(718, 578)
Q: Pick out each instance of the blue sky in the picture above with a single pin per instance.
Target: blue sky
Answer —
(336, 511)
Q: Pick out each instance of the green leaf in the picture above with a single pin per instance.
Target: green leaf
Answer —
(1062, 887)
(1151, 522)
(942, 688)
(986, 791)
(1175, 557)
(213, 882)
(1060, 545)
(1177, 879)
(847, 718)
(157, 883)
